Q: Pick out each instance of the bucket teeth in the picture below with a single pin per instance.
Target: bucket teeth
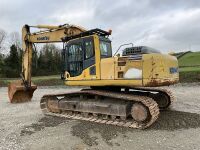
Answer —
(17, 93)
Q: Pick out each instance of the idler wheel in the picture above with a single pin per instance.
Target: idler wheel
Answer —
(162, 100)
(139, 112)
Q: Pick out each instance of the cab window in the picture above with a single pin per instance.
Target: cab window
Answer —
(105, 48)
(75, 59)
(89, 50)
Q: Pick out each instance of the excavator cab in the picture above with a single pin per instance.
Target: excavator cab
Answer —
(81, 54)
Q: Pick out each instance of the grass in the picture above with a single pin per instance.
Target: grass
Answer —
(189, 76)
(39, 80)
(190, 69)
(190, 59)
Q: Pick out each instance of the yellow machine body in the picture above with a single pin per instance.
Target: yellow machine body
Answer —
(153, 69)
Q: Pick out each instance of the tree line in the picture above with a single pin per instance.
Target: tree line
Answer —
(47, 61)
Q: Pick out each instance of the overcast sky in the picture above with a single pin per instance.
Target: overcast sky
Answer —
(167, 25)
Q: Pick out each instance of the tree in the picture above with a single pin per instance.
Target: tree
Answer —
(2, 39)
(34, 61)
(49, 60)
(1, 64)
(12, 66)
(45, 62)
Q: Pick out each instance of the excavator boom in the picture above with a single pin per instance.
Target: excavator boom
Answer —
(22, 90)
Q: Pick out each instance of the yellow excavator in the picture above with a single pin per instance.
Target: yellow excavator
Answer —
(123, 90)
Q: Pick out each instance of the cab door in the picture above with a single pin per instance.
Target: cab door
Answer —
(89, 56)
(74, 57)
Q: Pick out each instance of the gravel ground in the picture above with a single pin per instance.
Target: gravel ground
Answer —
(23, 126)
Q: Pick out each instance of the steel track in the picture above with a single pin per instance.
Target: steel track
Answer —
(159, 90)
(147, 101)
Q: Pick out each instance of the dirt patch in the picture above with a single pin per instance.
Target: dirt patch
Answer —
(47, 121)
(168, 120)
(107, 132)
(174, 120)
(178, 128)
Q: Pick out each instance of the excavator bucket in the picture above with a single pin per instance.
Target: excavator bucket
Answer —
(18, 93)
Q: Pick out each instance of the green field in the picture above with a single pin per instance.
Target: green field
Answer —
(189, 67)
(190, 59)
(39, 80)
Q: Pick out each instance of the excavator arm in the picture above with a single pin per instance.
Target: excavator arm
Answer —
(22, 90)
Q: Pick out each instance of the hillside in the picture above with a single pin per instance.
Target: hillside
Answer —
(190, 59)
(189, 67)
